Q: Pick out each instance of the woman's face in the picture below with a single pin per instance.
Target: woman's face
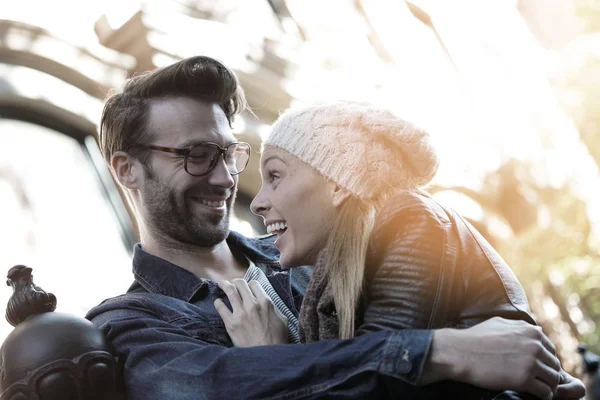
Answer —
(296, 204)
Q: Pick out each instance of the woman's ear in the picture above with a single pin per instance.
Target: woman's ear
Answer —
(339, 195)
(126, 169)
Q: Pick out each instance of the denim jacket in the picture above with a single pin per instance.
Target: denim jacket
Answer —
(173, 344)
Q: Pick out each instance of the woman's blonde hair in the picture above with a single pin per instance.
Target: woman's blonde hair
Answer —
(346, 258)
(347, 251)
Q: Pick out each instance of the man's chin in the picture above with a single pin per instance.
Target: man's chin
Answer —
(208, 228)
(210, 237)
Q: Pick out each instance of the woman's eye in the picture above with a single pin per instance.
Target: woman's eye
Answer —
(272, 176)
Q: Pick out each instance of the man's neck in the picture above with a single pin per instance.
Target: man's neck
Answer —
(215, 263)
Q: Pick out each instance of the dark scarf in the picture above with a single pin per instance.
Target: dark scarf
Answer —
(318, 318)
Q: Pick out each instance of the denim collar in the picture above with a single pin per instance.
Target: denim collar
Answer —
(157, 275)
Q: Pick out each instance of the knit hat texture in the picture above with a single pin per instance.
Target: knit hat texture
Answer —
(365, 149)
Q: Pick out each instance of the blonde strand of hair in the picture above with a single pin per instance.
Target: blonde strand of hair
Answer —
(346, 259)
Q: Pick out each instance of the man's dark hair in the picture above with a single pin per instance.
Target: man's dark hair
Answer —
(124, 117)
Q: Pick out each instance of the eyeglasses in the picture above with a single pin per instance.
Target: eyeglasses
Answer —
(201, 158)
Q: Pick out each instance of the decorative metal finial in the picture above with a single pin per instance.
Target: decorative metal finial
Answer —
(27, 299)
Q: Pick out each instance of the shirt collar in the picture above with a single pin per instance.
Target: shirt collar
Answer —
(157, 275)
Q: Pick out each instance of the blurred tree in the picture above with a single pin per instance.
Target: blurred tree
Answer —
(549, 249)
(579, 88)
(589, 12)
(551, 245)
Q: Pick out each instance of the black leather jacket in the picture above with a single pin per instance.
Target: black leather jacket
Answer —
(430, 268)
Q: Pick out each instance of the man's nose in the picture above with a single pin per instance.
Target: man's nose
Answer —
(220, 175)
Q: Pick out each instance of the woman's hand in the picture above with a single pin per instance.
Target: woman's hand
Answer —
(255, 321)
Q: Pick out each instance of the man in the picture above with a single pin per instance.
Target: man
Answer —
(168, 142)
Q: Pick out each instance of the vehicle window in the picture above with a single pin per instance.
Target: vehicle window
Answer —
(56, 218)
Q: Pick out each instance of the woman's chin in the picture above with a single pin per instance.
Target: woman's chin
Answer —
(287, 262)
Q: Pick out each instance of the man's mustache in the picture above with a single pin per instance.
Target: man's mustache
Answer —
(210, 191)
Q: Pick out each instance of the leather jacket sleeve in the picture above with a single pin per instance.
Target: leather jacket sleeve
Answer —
(429, 268)
(404, 269)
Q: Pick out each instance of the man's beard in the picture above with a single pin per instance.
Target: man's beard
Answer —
(173, 222)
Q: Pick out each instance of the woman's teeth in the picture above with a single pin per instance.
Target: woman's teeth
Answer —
(213, 203)
(276, 227)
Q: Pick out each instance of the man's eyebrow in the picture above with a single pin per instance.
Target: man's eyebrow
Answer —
(188, 143)
(192, 142)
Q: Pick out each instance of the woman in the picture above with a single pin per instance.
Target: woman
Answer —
(342, 189)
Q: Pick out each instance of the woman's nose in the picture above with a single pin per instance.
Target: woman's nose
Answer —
(259, 205)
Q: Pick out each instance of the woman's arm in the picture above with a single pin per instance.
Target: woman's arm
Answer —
(404, 270)
(404, 275)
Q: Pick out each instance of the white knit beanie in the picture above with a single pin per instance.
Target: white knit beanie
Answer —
(364, 149)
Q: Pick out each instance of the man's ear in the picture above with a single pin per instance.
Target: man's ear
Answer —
(127, 169)
(339, 195)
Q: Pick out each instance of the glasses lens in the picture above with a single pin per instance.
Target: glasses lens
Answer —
(201, 158)
(237, 157)
(204, 156)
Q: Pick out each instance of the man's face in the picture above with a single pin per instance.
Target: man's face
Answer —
(178, 208)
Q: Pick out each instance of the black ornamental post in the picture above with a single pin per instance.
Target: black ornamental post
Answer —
(52, 355)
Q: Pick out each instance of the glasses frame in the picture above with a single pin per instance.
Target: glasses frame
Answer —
(185, 152)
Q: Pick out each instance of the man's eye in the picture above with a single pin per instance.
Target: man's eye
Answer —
(272, 176)
(200, 155)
